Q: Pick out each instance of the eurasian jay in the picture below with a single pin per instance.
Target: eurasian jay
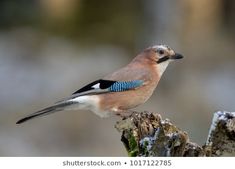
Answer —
(120, 91)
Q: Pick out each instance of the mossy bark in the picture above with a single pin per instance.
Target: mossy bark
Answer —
(147, 134)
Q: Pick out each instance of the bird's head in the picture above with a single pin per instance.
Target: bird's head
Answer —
(158, 56)
(164, 53)
(161, 56)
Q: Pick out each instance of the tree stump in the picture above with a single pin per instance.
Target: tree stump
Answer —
(147, 134)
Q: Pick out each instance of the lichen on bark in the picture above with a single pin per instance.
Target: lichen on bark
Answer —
(147, 134)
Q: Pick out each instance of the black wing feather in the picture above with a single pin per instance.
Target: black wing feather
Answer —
(104, 84)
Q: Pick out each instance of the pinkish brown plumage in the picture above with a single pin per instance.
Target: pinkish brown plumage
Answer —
(120, 91)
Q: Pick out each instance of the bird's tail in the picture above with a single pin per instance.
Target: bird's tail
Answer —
(52, 109)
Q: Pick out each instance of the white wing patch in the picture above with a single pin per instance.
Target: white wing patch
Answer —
(96, 86)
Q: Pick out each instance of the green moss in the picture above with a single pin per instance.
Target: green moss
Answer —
(133, 151)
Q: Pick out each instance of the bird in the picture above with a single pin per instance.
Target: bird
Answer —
(118, 92)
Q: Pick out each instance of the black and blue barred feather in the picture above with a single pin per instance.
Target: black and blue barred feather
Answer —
(104, 86)
(126, 85)
(109, 85)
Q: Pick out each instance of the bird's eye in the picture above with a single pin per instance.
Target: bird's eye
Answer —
(160, 51)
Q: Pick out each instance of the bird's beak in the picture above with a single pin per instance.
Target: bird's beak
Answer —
(176, 56)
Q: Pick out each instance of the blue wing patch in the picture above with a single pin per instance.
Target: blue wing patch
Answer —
(127, 85)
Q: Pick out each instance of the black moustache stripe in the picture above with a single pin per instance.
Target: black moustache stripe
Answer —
(163, 59)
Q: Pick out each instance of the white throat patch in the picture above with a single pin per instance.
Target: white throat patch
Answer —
(161, 67)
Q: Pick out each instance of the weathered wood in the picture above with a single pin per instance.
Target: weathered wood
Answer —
(147, 134)
(221, 137)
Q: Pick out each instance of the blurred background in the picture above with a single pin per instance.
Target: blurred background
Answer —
(51, 48)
